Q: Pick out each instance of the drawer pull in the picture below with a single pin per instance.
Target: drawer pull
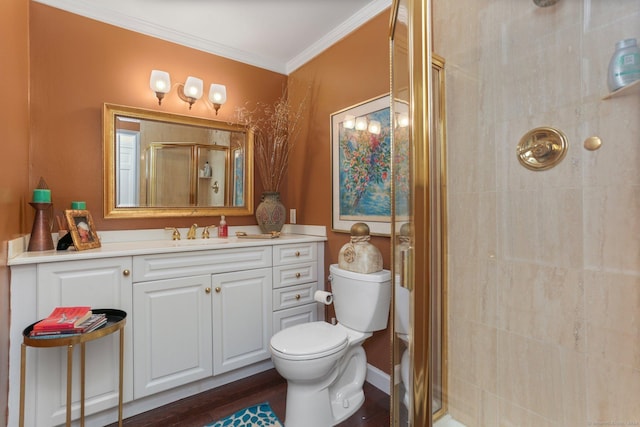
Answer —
(298, 275)
(297, 253)
(297, 296)
(126, 272)
(218, 289)
(207, 290)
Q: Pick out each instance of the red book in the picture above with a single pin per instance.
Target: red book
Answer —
(62, 318)
(91, 324)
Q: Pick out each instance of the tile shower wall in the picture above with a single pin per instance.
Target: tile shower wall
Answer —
(544, 276)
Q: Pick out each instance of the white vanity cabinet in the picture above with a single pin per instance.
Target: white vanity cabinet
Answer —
(99, 283)
(296, 278)
(199, 315)
(190, 327)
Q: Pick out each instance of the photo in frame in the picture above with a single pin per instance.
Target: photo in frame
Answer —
(82, 229)
(361, 166)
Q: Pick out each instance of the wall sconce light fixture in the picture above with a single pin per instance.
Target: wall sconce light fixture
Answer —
(190, 91)
(160, 83)
(217, 96)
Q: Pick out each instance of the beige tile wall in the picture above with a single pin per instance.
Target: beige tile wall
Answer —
(544, 279)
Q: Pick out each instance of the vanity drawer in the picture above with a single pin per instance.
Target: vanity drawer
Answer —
(171, 265)
(295, 274)
(294, 316)
(294, 253)
(293, 296)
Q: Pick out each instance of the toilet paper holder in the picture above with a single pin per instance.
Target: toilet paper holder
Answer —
(323, 297)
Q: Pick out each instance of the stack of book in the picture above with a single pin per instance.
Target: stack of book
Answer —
(65, 321)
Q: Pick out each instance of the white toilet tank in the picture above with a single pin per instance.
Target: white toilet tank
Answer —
(361, 301)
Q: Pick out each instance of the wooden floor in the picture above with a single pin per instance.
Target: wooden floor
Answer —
(269, 386)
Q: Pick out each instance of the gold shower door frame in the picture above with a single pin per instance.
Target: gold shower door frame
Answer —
(419, 248)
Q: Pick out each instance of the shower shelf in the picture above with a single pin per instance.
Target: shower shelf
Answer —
(626, 89)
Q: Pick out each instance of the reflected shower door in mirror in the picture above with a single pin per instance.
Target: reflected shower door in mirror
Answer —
(161, 164)
(187, 175)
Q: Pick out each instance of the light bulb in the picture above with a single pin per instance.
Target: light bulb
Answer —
(349, 121)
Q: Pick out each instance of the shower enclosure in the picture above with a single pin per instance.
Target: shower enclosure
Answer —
(543, 266)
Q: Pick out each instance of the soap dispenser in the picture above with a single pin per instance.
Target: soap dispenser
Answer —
(222, 227)
(206, 171)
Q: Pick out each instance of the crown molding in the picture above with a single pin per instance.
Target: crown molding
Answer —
(355, 21)
(93, 10)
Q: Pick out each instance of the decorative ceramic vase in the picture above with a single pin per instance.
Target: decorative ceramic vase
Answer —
(41, 239)
(359, 255)
(270, 213)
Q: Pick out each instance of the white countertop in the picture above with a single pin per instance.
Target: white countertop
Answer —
(157, 241)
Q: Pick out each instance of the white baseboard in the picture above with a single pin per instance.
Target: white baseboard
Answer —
(379, 379)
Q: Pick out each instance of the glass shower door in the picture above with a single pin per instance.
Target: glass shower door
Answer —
(544, 265)
(412, 226)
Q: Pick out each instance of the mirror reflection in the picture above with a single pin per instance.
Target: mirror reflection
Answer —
(161, 164)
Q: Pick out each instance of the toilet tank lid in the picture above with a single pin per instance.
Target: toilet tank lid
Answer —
(309, 339)
(378, 276)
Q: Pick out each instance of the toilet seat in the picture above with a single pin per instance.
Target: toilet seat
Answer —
(309, 341)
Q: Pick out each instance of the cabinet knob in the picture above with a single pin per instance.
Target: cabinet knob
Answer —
(297, 296)
(207, 290)
(297, 275)
(297, 253)
(218, 289)
(126, 272)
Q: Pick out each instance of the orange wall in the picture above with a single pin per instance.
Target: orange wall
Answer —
(14, 161)
(354, 70)
(78, 64)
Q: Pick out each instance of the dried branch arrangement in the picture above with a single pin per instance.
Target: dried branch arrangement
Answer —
(276, 128)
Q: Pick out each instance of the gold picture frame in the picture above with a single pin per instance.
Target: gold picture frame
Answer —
(82, 229)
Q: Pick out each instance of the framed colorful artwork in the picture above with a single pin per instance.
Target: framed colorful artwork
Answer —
(361, 166)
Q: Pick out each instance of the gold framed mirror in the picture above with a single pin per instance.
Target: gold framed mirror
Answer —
(159, 164)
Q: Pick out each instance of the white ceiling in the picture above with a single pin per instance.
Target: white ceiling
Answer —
(279, 35)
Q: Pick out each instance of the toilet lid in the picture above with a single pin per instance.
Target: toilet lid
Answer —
(309, 339)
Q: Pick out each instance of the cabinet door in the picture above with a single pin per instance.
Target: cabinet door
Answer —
(241, 318)
(101, 283)
(173, 333)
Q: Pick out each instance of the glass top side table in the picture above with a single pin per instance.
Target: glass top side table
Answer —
(116, 320)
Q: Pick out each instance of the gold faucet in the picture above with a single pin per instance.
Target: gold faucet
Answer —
(175, 235)
(192, 232)
(205, 232)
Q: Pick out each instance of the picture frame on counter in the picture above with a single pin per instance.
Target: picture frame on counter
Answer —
(82, 229)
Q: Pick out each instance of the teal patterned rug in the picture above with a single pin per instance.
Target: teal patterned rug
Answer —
(254, 416)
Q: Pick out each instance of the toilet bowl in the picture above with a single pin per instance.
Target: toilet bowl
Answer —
(402, 298)
(325, 365)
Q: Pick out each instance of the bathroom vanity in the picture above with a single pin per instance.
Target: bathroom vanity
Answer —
(200, 314)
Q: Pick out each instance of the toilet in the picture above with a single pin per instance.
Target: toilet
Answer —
(401, 310)
(325, 365)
